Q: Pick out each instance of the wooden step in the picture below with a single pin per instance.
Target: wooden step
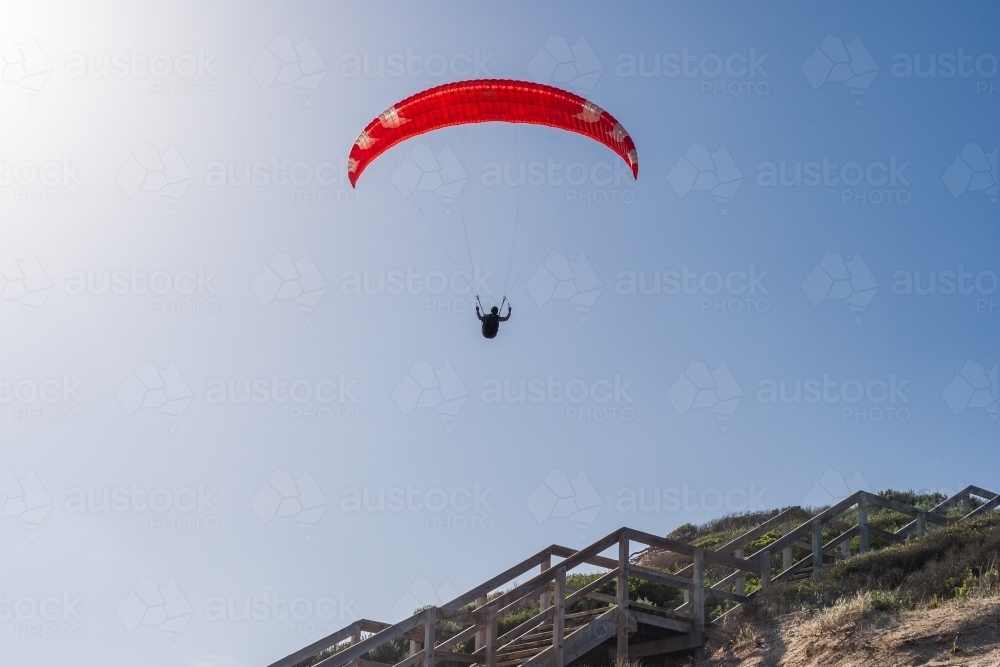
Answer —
(572, 620)
(541, 641)
(526, 653)
(529, 645)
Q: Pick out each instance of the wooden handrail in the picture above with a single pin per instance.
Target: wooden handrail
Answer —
(497, 581)
(379, 638)
(579, 558)
(599, 561)
(421, 626)
(903, 508)
(320, 645)
(688, 550)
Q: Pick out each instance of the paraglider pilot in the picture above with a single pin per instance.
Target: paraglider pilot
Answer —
(491, 320)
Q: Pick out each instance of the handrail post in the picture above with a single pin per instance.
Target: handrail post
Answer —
(490, 643)
(545, 600)
(921, 523)
(622, 597)
(786, 553)
(765, 569)
(741, 578)
(863, 523)
(558, 619)
(817, 549)
(481, 634)
(966, 505)
(430, 617)
(698, 595)
(356, 639)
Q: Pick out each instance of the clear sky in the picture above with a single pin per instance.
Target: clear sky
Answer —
(242, 404)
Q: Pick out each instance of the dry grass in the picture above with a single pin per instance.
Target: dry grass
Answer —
(856, 633)
(747, 636)
(626, 663)
(848, 613)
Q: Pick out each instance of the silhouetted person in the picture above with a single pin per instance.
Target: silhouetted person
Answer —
(491, 321)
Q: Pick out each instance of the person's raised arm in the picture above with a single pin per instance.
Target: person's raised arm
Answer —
(504, 319)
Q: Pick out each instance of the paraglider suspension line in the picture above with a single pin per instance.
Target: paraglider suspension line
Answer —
(468, 246)
(517, 215)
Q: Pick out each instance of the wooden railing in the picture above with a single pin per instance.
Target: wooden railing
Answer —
(478, 614)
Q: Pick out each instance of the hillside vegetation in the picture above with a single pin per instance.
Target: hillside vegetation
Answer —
(934, 600)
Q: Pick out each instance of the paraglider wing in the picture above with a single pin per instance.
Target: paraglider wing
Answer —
(483, 101)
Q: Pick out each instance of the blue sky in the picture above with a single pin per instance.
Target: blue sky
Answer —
(149, 287)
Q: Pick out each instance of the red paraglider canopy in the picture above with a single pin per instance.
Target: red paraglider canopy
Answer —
(484, 101)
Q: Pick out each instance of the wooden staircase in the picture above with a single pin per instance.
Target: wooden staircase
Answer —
(554, 638)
